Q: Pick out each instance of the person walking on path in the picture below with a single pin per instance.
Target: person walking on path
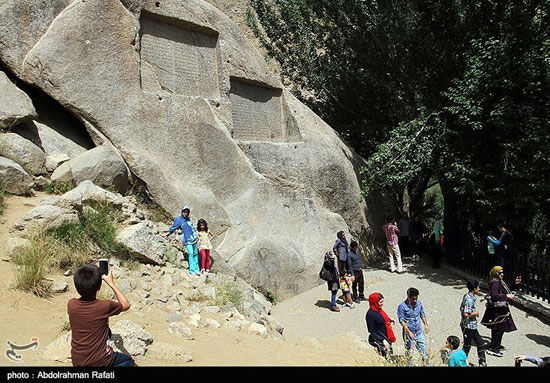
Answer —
(189, 238)
(392, 231)
(331, 264)
(404, 225)
(411, 315)
(503, 247)
(497, 316)
(341, 250)
(357, 272)
(379, 324)
(204, 244)
(468, 322)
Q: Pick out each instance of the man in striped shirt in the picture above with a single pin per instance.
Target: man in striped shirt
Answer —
(468, 324)
(392, 232)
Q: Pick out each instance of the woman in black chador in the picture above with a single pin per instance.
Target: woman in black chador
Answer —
(497, 317)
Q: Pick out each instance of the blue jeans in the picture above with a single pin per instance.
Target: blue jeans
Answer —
(420, 343)
(193, 252)
(122, 360)
(333, 298)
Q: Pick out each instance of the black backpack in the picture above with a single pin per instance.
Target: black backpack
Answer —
(325, 273)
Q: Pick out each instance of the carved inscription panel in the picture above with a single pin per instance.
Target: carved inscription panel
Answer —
(178, 60)
(256, 112)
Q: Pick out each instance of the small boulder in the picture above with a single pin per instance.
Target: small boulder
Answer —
(62, 173)
(24, 152)
(102, 165)
(193, 320)
(173, 317)
(45, 217)
(54, 160)
(143, 242)
(13, 178)
(15, 106)
(210, 323)
(60, 287)
(180, 330)
(83, 193)
(211, 309)
(258, 329)
(59, 350)
(128, 336)
(170, 352)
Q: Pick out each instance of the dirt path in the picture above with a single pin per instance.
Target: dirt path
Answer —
(441, 292)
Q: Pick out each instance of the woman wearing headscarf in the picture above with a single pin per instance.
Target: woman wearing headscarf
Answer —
(379, 326)
(341, 251)
(331, 264)
(497, 316)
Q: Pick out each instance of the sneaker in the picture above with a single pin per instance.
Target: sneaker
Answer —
(501, 347)
(351, 306)
(482, 364)
(335, 308)
(495, 353)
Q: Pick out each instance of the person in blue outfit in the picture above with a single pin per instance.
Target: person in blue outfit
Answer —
(189, 238)
(410, 314)
(341, 251)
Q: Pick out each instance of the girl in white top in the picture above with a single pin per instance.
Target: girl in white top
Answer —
(204, 244)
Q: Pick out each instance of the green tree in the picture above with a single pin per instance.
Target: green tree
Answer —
(455, 91)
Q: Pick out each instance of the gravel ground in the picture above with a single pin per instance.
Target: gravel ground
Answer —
(441, 292)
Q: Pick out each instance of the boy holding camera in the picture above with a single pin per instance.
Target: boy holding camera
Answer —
(89, 318)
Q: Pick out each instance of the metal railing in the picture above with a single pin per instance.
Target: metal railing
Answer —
(475, 259)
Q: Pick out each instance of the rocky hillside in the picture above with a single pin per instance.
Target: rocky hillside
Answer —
(171, 98)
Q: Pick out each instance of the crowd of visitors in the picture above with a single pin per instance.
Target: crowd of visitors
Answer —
(346, 266)
(342, 270)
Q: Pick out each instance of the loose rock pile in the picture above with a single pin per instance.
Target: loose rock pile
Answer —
(189, 303)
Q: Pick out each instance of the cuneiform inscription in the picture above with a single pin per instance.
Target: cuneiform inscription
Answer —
(178, 60)
(256, 112)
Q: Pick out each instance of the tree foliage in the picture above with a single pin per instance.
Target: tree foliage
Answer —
(453, 90)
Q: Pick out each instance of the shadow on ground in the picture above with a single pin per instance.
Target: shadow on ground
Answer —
(323, 304)
(540, 339)
(423, 269)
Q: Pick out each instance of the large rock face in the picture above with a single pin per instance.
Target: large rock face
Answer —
(197, 115)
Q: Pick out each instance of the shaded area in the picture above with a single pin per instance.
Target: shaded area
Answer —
(540, 339)
(51, 113)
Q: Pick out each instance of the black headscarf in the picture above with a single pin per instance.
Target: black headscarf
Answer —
(343, 239)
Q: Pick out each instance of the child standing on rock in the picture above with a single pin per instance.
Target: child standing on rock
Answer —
(205, 236)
